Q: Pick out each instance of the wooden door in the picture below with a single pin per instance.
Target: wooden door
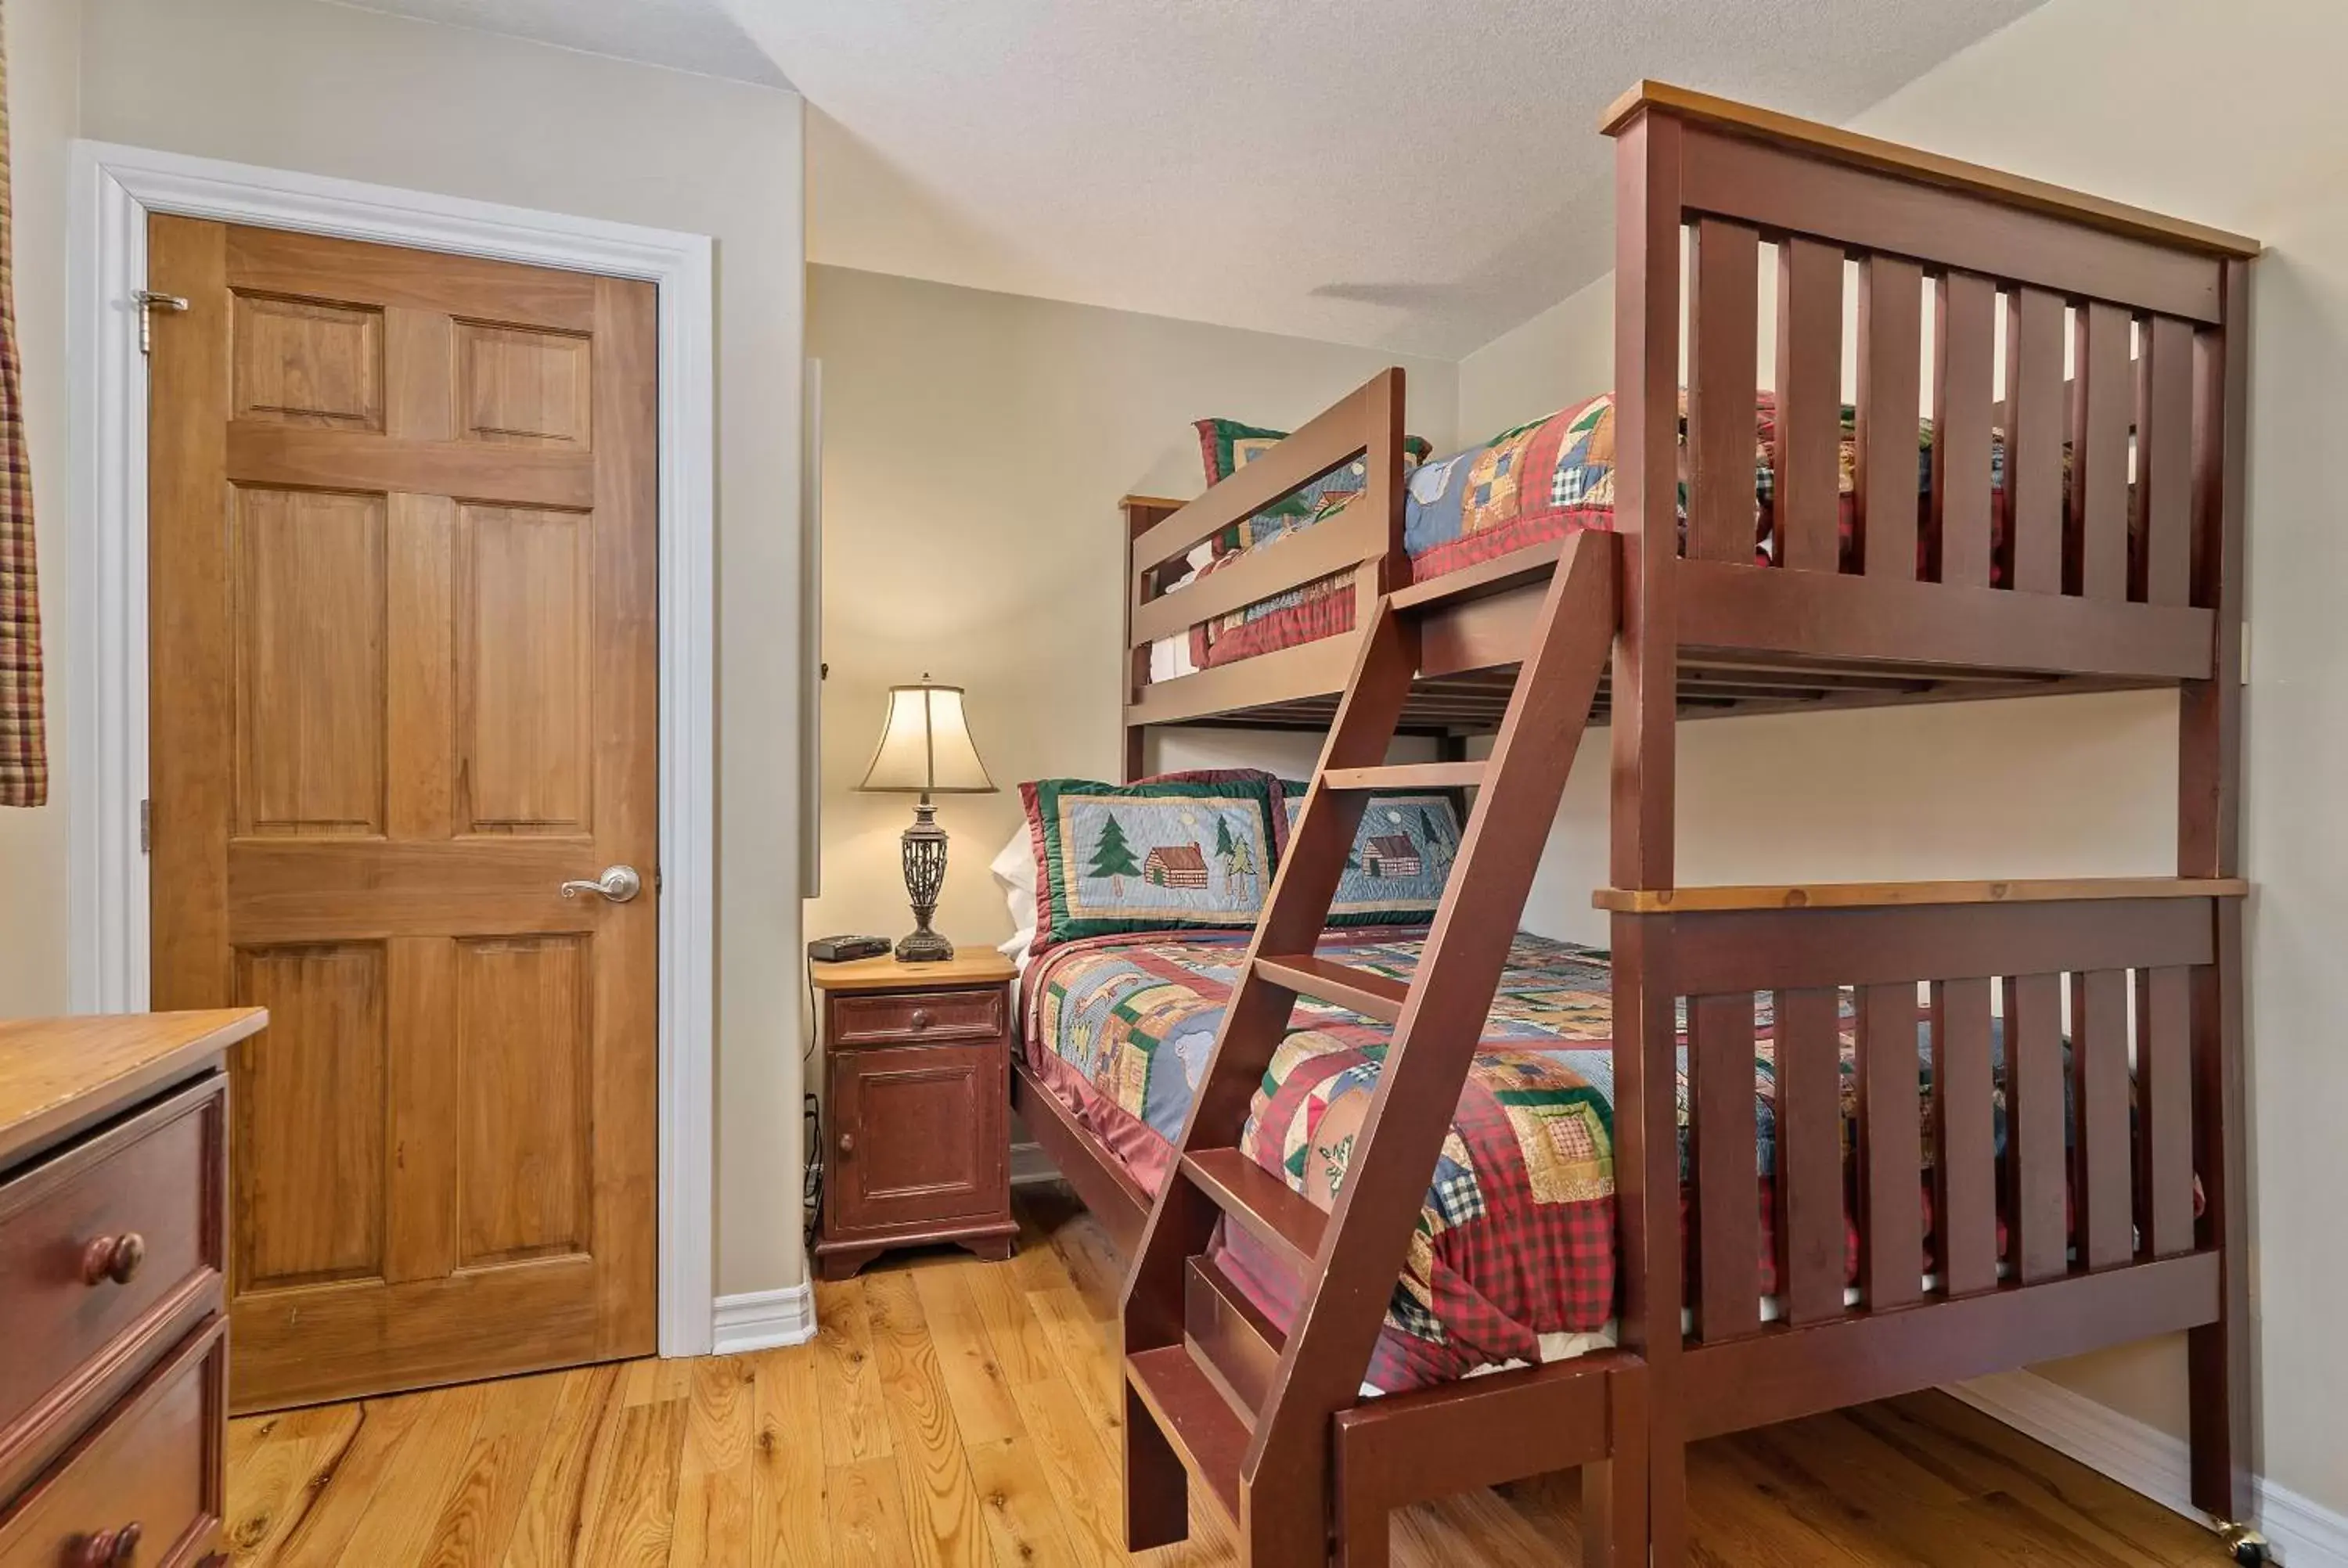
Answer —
(403, 642)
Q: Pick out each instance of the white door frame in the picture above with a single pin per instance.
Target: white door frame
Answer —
(113, 188)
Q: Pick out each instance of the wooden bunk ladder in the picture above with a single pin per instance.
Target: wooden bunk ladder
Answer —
(1212, 1389)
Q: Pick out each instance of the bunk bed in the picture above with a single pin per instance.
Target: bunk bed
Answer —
(2080, 1127)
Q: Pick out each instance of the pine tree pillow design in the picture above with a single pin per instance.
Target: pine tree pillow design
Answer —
(1186, 851)
(1401, 858)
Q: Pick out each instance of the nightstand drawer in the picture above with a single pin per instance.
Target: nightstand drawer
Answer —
(917, 1136)
(901, 1018)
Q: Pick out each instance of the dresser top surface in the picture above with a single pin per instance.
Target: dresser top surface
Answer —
(59, 1071)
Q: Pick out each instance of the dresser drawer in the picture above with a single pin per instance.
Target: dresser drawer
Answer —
(149, 1469)
(904, 1017)
(107, 1250)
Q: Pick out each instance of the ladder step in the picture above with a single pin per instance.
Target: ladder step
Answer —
(1372, 996)
(1198, 1423)
(1233, 1340)
(1287, 1221)
(1407, 775)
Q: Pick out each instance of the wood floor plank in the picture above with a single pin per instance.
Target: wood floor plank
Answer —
(1015, 1502)
(630, 1511)
(1022, 1348)
(1072, 1451)
(555, 1506)
(790, 1528)
(364, 1468)
(966, 1359)
(1088, 1357)
(714, 1525)
(941, 1507)
(867, 1515)
(399, 1522)
(277, 1464)
(855, 1422)
(479, 1516)
(1474, 1527)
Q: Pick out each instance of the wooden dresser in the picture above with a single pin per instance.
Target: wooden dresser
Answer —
(918, 1098)
(114, 1354)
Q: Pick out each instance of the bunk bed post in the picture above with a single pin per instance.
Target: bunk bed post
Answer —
(1142, 513)
(1646, 377)
(2221, 1373)
(1385, 498)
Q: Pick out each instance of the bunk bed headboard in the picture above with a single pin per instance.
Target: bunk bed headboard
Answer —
(2081, 526)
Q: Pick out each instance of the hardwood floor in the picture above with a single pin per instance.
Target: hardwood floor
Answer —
(953, 1412)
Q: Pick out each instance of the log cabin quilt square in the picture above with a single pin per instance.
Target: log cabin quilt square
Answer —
(1189, 852)
(1401, 857)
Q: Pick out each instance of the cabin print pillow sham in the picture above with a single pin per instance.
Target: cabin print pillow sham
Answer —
(1188, 852)
(1401, 857)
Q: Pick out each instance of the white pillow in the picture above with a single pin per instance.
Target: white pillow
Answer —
(1015, 873)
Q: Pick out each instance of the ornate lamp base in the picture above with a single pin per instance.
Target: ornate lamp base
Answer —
(924, 846)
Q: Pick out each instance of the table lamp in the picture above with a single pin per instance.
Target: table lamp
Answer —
(925, 748)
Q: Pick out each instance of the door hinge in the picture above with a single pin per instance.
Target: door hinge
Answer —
(148, 301)
(146, 828)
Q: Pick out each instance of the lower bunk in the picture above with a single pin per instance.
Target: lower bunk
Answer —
(2030, 1153)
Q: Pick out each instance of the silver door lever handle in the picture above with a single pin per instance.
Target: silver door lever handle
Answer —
(619, 884)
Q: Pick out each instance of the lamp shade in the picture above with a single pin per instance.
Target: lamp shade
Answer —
(925, 745)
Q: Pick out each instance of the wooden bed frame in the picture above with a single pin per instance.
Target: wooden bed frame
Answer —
(2136, 983)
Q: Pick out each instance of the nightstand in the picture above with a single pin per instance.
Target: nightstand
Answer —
(917, 1065)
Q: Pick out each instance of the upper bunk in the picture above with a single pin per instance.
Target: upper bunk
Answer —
(1999, 454)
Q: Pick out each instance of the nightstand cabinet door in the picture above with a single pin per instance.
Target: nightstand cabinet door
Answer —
(918, 1135)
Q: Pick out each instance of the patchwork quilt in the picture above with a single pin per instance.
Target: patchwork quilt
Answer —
(1516, 1238)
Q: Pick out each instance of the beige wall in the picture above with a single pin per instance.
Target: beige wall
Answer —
(2085, 785)
(331, 90)
(2235, 116)
(44, 82)
(975, 445)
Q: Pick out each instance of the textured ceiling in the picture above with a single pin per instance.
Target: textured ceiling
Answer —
(1397, 173)
(687, 35)
(1390, 173)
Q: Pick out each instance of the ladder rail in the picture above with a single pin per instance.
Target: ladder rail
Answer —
(1256, 1017)
(1331, 1341)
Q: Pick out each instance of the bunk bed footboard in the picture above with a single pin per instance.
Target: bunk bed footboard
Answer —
(2012, 1095)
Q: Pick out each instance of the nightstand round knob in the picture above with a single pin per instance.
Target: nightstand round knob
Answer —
(114, 1257)
(848, 1142)
(921, 1018)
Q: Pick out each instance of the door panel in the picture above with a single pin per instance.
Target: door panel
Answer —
(309, 1114)
(944, 1107)
(523, 678)
(523, 1035)
(405, 676)
(309, 619)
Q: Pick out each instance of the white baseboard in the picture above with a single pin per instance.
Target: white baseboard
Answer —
(763, 1320)
(2147, 1461)
(1030, 1164)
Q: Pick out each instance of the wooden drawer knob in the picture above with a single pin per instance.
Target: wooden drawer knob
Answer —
(921, 1019)
(114, 1257)
(115, 1548)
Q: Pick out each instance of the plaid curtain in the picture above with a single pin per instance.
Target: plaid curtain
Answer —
(24, 754)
